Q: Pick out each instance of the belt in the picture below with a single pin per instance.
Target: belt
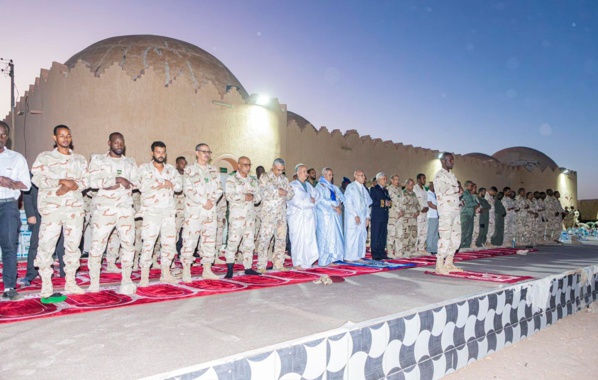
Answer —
(6, 200)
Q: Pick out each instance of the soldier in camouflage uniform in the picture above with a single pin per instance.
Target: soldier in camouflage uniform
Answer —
(179, 201)
(276, 191)
(113, 248)
(410, 208)
(202, 188)
(115, 176)
(242, 194)
(531, 221)
(521, 207)
(158, 182)
(60, 177)
(540, 206)
(393, 239)
(449, 216)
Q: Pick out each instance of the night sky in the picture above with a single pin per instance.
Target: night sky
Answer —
(464, 76)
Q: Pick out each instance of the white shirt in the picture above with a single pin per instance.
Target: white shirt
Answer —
(432, 214)
(14, 166)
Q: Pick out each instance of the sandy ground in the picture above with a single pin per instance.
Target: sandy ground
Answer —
(565, 350)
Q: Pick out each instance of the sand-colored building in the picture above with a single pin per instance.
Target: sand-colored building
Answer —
(158, 88)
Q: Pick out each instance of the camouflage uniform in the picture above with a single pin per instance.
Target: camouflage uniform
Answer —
(158, 212)
(179, 202)
(113, 248)
(510, 220)
(529, 237)
(521, 210)
(540, 232)
(410, 206)
(241, 218)
(273, 218)
(449, 213)
(113, 210)
(200, 184)
(395, 228)
(422, 219)
(58, 213)
(491, 200)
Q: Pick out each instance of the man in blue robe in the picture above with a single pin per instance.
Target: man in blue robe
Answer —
(329, 219)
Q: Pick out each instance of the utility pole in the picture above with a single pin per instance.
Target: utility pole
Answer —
(11, 73)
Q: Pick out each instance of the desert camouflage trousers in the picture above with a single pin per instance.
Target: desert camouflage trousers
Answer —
(393, 243)
(158, 223)
(409, 236)
(240, 237)
(105, 220)
(449, 231)
(69, 219)
(269, 229)
(199, 227)
(422, 232)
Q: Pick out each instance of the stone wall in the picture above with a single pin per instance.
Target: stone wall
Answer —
(145, 110)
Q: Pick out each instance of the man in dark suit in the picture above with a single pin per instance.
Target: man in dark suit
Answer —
(34, 221)
(379, 223)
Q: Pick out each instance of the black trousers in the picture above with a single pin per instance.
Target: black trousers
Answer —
(10, 221)
(32, 254)
(378, 236)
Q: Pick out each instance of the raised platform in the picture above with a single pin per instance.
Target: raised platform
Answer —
(396, 324)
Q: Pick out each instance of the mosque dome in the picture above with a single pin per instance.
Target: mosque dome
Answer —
(527, 157)
(481, 156)
(168, 58)
(298, 119)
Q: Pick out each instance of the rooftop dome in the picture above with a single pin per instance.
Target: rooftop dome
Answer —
(167, 56)
(482, 156)
(300, 120)
(527, 157)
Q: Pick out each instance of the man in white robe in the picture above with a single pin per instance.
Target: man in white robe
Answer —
(301, 218)
(357, 217)
(329, 223)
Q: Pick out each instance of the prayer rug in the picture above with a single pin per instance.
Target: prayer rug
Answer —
(376, 264)
(487, 277)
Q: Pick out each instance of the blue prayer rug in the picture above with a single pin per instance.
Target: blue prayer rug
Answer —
(375, 264)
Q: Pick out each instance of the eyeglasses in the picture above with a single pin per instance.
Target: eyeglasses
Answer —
(246, 165)
(205, 151)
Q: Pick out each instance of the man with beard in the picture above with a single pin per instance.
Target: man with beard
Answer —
(115, 176)
(312, 177)
(14, 178)
(60, 178)
(158, 182)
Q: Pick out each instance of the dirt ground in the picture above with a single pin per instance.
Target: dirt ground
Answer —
(565, 350)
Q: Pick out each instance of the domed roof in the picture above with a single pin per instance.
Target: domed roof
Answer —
(300, 120)
(167, 56)
(482, 156)
(526, 157)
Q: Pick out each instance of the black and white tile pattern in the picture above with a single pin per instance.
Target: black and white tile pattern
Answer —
(425, 345)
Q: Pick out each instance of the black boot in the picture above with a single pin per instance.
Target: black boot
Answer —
(252, 272)
(229, 270)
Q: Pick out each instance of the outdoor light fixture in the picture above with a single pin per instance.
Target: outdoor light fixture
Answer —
(262, 100)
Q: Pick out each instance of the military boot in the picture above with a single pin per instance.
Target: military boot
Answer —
(208, 274)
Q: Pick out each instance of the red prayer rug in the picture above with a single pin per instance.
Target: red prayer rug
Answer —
(31, 307)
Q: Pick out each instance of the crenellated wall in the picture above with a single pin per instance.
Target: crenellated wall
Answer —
(144, 109)
(345, 153)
